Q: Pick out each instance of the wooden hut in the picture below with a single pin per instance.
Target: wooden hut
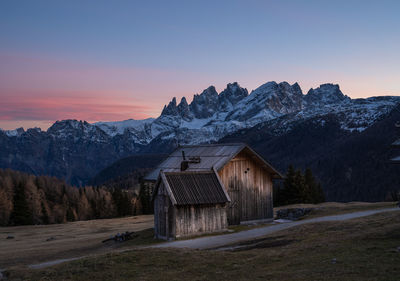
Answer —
(244, 175)
(188, 203)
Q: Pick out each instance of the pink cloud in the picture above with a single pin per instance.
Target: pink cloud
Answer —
(43, 88)
(86, 107)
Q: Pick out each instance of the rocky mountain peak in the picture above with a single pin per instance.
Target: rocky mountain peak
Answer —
(171, 108)
(297, 89)
(14, 133)
(183, 109)
(270, 100)
(326, 94)
(205, 104)
(71, 127)
(231, 96)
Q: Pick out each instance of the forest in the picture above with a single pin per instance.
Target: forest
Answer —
(298, 187)
(28, 199)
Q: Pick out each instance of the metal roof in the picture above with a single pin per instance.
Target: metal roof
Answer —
(194, 188)
(212, 156)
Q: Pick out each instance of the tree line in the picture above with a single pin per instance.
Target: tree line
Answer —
(298, 187)
(28, 199)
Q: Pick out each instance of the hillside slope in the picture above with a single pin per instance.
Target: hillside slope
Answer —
(350, 165)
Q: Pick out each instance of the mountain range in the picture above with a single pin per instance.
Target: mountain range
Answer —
(77, 150)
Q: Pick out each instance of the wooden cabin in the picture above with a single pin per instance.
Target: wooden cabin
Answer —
(244, 175)
(189, 203)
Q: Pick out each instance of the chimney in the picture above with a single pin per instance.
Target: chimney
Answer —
(184, 163)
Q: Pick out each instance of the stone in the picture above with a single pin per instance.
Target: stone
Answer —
(292, 213)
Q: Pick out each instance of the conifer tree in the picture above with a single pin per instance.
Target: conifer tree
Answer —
(45, 216)
(145, 199)
(21, 214)
(298, 188)
(289, 186)
(70, 215)
(314, 189)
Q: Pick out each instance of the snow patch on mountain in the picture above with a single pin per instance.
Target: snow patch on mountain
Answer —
(119, 127)
(211, 116)
(14, 133)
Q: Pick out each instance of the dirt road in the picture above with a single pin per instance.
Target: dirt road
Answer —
(221, 240)
(79, 239)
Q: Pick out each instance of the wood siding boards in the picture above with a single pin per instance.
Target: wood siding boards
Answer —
(189, 203)
(249, 188)
(163, 214)
(206, 199)
(192, 220)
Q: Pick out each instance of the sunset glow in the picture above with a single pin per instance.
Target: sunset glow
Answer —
(101, 63)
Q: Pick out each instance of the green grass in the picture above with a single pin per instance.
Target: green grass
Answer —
(364, 249)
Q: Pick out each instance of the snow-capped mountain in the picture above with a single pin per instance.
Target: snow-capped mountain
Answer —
(210, 116)
(75, 150)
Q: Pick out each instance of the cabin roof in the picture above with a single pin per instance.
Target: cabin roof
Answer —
(193, 188)
(211, 155)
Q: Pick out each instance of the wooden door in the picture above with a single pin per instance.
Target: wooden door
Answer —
(235, 205)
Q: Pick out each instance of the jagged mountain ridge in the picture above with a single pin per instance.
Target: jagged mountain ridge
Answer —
(210, 115)
(77, 150)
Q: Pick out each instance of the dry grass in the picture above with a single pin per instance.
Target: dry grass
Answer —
(84, 237)
(336, 208)
(364, 249)
(70, 239)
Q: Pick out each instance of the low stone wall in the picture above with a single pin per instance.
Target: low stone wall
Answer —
(292, 213)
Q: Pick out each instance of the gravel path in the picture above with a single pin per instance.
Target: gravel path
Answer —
(221, 240)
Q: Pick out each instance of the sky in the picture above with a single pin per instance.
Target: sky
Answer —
(115, 60)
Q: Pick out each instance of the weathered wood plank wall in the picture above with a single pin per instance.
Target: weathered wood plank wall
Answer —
(200, 219)
(250, 189)
(164, 215)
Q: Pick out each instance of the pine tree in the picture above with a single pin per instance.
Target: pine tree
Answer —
(145, 199)
(320, 194)
(45, 216)
(299, 188)
(314, 189)
(300, 191)
(289, 186)
(70, 214)
(311, 195)
(122, 202)
(21, 214)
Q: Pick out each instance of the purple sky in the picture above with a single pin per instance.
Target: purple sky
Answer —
(115, 60)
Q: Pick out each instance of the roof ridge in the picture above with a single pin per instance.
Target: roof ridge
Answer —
(215, 144)
(205, 171)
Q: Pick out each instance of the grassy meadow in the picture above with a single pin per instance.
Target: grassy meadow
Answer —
(359, 249)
